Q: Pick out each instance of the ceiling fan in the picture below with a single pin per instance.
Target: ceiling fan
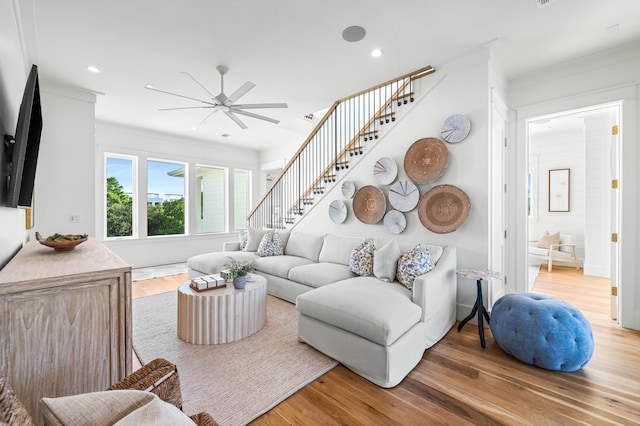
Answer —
(224, 103)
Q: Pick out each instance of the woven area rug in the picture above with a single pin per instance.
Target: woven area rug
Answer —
(234, 382)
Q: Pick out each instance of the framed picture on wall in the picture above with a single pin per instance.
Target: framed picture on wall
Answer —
(559, 187)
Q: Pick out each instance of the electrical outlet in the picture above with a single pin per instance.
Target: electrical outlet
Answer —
(74, 218)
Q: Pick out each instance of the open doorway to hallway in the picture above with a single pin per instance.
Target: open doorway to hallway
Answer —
(572, 161)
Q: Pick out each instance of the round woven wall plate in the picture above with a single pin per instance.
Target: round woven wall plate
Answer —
(337, 211)
(455, 128)
(426, 160)
(395, 222)
(369, 204)
(444, 209)
(385, 170)
(404, 195)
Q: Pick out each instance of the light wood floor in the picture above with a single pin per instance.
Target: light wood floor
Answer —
(457, 382)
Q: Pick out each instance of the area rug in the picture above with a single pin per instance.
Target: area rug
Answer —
(234, 382)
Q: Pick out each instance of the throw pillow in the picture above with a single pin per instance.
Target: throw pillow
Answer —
(243, 236)
(122, 407)
(361, 261)
(385, 261)
(547, 239)
(271, 245)
(255, 238)
(413, 263)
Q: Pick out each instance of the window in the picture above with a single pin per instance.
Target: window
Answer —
(165, 198)
(119, 196)
(241, 198)
(211, 206)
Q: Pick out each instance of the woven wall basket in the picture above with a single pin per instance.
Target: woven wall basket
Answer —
(444, 209)
(426, 160)
(369, 204)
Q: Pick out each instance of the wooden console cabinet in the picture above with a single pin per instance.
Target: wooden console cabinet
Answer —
(65, 321)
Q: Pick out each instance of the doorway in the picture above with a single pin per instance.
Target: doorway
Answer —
(580, 146)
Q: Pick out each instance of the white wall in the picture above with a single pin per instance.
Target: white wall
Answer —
(14, 68)
(597, 79)
(558, 150)
(64, 176)
(111, 138)
(456, 88)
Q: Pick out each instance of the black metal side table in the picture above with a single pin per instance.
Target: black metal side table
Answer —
(478, 307)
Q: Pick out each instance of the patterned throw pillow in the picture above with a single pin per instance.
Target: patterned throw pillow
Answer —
(361, 261)
(243, 236)
(271, 245)
(413, 263)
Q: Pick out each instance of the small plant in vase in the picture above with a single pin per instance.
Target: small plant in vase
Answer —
(238, 270)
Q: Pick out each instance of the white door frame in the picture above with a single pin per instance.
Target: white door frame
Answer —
(517, 198)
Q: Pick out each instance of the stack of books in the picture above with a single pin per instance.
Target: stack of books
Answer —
(208, 282)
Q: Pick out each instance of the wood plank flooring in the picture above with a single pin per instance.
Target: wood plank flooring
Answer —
(457, 382)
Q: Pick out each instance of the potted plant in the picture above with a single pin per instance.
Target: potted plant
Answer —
(238, 270)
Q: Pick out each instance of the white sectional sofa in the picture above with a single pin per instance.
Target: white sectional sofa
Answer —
(377, 329)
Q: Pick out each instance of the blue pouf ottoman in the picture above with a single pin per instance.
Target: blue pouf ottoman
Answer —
(542, 331)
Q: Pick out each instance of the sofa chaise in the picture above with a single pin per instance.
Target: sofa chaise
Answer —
(372, 324)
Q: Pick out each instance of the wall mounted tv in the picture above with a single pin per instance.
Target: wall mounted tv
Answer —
(22, 150)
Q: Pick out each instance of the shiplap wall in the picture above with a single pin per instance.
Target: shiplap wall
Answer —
(558, 150)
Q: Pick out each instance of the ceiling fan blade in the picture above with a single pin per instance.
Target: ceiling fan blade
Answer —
(259, 117)
(211, 95)
(257, 106)
(240, 92)
(196, 107)
(180, 96)
(204, 121)
(232, 116)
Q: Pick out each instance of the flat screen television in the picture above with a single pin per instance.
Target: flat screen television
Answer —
(23, 149)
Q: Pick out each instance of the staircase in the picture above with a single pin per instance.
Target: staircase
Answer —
(348, 126)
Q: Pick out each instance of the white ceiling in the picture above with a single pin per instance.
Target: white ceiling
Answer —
(293, 51)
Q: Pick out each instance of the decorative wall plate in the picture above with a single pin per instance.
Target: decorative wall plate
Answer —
(369, 204)
(337, 211)
(455, 128)
(444, 208)
(348, 188)
(385, 170)
(404, 195)
(395, 222)
(426, 160)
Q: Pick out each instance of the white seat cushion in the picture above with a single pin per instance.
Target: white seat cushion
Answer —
(211, 263)
(365, 306)
(319, 274)
(279, 265)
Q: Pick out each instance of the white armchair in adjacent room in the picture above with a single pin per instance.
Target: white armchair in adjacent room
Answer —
(555, 248)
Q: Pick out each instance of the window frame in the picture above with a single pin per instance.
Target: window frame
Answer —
(134, 196)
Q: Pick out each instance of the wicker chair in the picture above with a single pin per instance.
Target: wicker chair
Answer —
(159, 377)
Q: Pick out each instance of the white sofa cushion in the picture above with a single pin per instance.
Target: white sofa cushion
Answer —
(337, 249)
(385, 261)
(365, 306)
(117, 407)
(211, 263)
(319, 274)
(279, 265)
(305, 245)
(254, 238)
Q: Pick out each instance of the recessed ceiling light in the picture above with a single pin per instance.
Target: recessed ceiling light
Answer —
(194, 128)
(149, 86)
(93, 69)
(225, 135)
(376, 53)
(353, 33)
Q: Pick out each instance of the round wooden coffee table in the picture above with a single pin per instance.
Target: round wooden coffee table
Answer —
(222, 315)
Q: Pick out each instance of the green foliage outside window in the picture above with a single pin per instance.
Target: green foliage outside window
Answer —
(166, 218)
(119, 210)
